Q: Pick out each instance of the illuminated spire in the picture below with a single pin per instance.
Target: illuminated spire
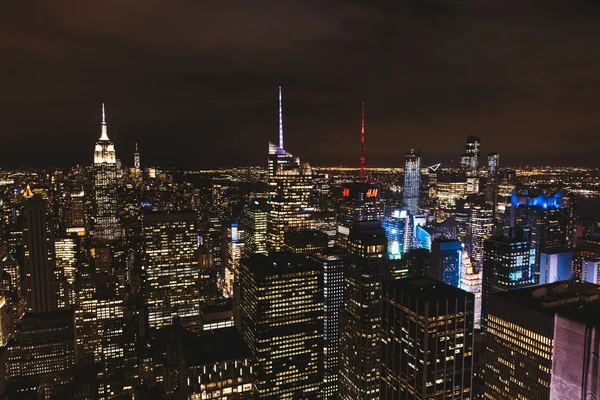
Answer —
(362, 143)
(28, 192)
(280, 121)
(104, 135)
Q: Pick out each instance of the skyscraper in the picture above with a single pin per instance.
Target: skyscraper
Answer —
(522, 340)
(106, 223)
(469, 163)
(281, 299)
(40, 260)
(493, 165)
(397, 227)
(427, 341)
(332, 261)
(508, 263)
(446, 261)
(290, 185)
(480, 226)
(255, 222)
(361, 315)
(412, 181)
(171, 268)
(359, 202)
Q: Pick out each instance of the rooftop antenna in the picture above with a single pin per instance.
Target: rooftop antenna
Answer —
(362, 143)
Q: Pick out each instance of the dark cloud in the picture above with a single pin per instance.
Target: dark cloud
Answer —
(194, 82)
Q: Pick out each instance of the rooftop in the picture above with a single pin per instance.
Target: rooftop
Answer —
(425, 288)
(550, 297)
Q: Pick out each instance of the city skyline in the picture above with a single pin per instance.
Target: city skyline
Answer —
(429, 76)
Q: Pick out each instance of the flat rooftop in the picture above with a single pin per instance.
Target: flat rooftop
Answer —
(552, 297)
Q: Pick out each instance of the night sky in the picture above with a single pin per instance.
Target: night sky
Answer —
(195, 82)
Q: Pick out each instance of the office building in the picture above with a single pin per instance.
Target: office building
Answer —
(547, 216)
(331, 261)
(412, 182)
(281, 302)
(587, 248)
(209, 365)
(472, 282)
(44, 344)
(255, 222)
(575, 364)
(305, 241)
(590, 270)
(39, 280)
(171, 268)
(235, 251)
(469, 163)
(359, 202)
(361, 316)
(493, 175)
(446, 261)
(480, 226)
(289, 185)
(508, 264)
(555, 265)
(106, 221)
(436, 359)
(522, 339)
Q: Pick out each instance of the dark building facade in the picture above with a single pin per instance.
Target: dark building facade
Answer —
(427, 340)
(361, 315)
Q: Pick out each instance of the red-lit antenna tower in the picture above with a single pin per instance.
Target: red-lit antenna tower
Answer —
(362, 143)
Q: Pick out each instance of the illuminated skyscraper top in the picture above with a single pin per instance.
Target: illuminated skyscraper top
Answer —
(136, 158)
(280, 122)
(104, 152)
(362, 144)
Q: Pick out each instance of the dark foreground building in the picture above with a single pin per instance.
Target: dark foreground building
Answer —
(427, 340)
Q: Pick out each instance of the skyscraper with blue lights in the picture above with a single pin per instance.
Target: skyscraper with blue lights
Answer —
(446, 261)
(398, 231)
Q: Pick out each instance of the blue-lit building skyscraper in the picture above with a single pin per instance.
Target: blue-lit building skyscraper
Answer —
(446, 261)
(412, 181)
(397, 227)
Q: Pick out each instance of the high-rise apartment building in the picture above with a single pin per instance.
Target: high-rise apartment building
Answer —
(412, 181)
(361, 316)
(106, 222)
(290, 185)
(508, 263)
(39, 285)
(525, 345)
(171, 269)
(332, 261)
(281, 301)
(427, 341)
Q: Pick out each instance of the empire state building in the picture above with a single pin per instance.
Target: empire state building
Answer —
(106, 223)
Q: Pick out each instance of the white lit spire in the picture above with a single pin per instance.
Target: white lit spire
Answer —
(280, 121)
(104, 135)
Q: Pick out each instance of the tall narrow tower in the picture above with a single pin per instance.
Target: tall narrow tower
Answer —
(412, 182)
(362, 144)
(290, 185)
(40, 260)
(136, 159)
(106, 224)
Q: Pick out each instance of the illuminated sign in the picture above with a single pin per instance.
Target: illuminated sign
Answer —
(372, 192)
(346, 192)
